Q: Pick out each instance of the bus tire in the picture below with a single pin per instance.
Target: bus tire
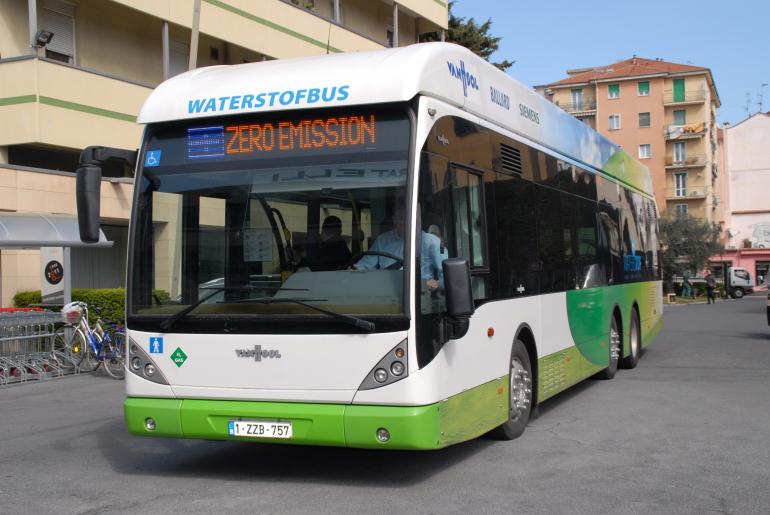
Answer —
(615, 339)
(634, 342)
(519, 394)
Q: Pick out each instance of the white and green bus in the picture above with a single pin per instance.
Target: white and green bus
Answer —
(401, 249)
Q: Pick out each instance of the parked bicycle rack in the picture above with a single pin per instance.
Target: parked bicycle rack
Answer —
(26, 346)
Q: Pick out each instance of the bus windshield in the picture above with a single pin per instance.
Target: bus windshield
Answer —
(268, 218)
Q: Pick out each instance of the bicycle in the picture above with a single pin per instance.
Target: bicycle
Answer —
(85, 348)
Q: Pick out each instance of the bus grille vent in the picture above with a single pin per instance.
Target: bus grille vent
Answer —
(511, 158)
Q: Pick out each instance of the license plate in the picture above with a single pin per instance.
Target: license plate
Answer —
(260, 429)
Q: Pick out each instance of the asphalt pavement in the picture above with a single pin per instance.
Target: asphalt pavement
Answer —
(687, 431)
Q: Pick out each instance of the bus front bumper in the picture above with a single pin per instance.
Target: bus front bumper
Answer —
(342, 425)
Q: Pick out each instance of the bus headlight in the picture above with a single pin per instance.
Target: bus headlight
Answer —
(393, 367)
(142, 365)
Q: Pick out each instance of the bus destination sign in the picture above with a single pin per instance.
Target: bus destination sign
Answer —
(277, 137)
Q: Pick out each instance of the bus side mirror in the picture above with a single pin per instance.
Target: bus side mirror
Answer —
(459, 295)
(88, 195)
(89, 182)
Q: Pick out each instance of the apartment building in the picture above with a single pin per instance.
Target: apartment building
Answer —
(746, 214)
(664, 113)
(75, 73)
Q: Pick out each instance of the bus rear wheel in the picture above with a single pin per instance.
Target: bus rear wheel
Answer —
(519, 394)
(634, 342)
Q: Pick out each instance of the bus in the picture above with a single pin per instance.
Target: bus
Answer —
(398, 249)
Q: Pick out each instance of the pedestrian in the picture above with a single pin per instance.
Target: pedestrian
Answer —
(711, 285)
(687, 290)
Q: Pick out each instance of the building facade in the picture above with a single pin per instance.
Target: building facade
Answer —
(664, 114)
(747, 188)
(85, 85)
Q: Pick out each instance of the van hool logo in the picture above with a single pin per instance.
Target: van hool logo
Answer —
(459, 72)
(257, 353)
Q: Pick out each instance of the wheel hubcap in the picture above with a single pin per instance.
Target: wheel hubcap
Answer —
(521, 389)
(614, 344)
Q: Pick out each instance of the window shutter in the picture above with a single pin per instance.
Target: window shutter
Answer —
(614, 90)
(644, 88)
(62, 24)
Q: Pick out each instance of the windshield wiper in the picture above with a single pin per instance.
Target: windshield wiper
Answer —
(354, 321)
(168, 323)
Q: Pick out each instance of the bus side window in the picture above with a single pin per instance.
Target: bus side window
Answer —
(515, 208)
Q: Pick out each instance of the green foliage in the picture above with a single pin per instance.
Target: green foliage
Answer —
(471, 35)
(24, 299)
(687, 244)
(112, 301)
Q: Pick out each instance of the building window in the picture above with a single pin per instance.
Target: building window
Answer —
(680, 184)
(643, 88)
(614, 122)
(680, 152)
(680, 117)
(681, 211)
(613, 91)
(59, 18)
(577, 98)
(644, 119)
(645, 151)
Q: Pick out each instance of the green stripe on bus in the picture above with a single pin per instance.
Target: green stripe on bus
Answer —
(23, 99)
(267, 23)
(87, 109)
(457, 419)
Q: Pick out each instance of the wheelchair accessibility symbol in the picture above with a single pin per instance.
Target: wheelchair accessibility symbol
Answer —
(152, 158)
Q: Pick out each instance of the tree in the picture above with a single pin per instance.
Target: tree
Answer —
(472, 36)
(687, 245)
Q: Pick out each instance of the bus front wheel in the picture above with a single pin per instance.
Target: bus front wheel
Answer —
(519, 394)
(615, 340)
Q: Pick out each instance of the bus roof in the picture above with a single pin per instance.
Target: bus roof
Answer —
(440, 70)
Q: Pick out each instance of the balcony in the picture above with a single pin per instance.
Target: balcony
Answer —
(584, 108)
(691, 192)
(690, 97)
(694, 161)
(686, 131)
(52, 103)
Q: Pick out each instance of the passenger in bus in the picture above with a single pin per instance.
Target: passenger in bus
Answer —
(333, 252)
(392, 242)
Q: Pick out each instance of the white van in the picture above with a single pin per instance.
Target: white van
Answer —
(738, 282)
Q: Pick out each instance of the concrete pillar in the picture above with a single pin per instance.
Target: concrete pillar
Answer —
(395, 24)
(166, 51)
(3, 155)
(193, 63)
(32, 13)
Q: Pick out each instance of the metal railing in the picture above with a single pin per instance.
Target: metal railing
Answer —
(689, 192)
(690, 160)
(26, 346)
(689, 96)
(586, 105)
(687, 130)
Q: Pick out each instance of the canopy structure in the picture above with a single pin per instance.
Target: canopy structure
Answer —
(54, 235)
(34, 230)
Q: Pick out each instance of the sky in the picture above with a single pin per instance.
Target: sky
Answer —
(548, 37)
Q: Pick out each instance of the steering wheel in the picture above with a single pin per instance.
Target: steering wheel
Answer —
(399, 263)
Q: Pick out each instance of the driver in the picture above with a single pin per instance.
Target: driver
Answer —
(392, 242)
